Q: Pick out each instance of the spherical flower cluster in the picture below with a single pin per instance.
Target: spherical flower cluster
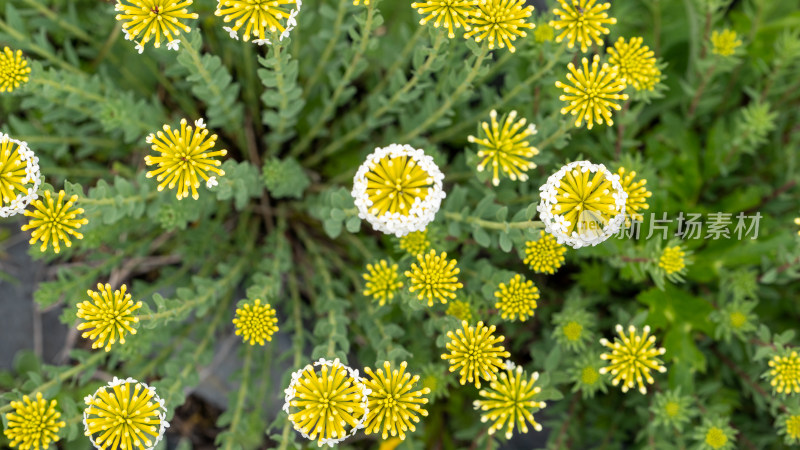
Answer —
(19, 176)
(582, 204)
(506, 148)
(325, 402)
(54, 221)
(724, 43)
(586, 375)
(517, 299)
(635, 62)
(473, 350)
(510, 400)
(672, 260)
(434, 277)
(14, 70)
(33, 424)
(544, 255)
(125, 414)
(415, 242)
(572, 326)
(398, 189)
(108, 316)
(394, 405)
(255, 322)
(258, 16)
(632, 358)
(715, 434)
(153, 19)
(637, 194)
(671, 410)
(593, 93)
(460, 310)
(785, 373)
(789, 424)
(451, 13)
(544, 33)
(500, 22)
(582, 21)
(382, 281)
(184, 158)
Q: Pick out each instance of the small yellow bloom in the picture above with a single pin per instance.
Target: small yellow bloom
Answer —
(501, 22)
(589, 375)
(785, 374)
(506, 148)
(434, 277)
(715, 438)
(14, 70)
(637, 194)
(572, 331)
(255, 322)
(258, 15)
(632, 358)
(393, 405)
(582, 21)
(108, 316)
(473, 350)
(153, 18)
(510, 401)
(415, 242)
(382, 281)
(460, 310)
(358, 2)
(635, 62)
(19, 176)
(672, 260)
(33, 424)
(593, 93)
(543, 33)
(792, 424)
(724, 43)
(517, 299)
(453, 13)
(184, 158)
(797, 222)
(544, 255)
(54, 221)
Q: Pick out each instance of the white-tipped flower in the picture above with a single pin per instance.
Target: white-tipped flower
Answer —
(19, 176)
(398, 189)
(257, 18)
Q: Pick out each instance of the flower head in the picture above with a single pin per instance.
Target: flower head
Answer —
(125, 414)
(184, 158)
(325, 402)
(19, 176)
(473, 350)
(394, 404)
(255, 322)
(460, 310)
(147, 19)
(518, 298)
(724, 43)
(544, 255)
(501, 22)
(510, 400)
(434, 277)
(582, 21)
(785, 373)
(635, 62)
(637, 194)
(715, 434)
(671, 410)
(14, 70)
(506, 148)
(587, 377)
(582, 204)
(632, 358)
(573, 327)
(398, 189)
(672, 260)
(451, 13)
(789, 426)
(258, 16)
(415, 242)
(33, 424)
(54, 221)
(593, 93)
(797, 222)
(544, 33)
(382, 281)
(108, 316)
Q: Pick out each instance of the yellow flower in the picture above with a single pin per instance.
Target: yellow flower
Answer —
(582, 21)
(258, 15)
(19, 176)
(715, 434)
(33, 424)
(415, 242)
(506, 148)
(517, 299)
(184, 158)
(358, 2)
(544, 255)
(593, 93)
(473, 350)
(460, 310)
(572, 331)
(434, 278)
(108, 315)
(510, 400)
(454, 13)
(501, 22)
(635, 62)
(124, 414)
(797, 222)
(637, 194)
(153, 18)
(255, 322)
(14, 70)
(543, 33)
(325, 401)
(54, 221)
(632, 358)
(382, 282)
(724, 43)
(715, 438)
(792, 426)
(785, 374)
(393, 404)
(672, 260)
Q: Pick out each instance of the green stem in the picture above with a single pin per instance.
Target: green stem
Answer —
(240, 399)
(35, 48)
(492, 225)
(47, 12)
(328, 52)
(114, 200)
(297, 315)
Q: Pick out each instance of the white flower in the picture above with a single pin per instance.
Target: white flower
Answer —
(262, 41)
(232, 33)
(173, 45)
(32, 177)
(139, 48)
(199, 123)
(211, 182)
